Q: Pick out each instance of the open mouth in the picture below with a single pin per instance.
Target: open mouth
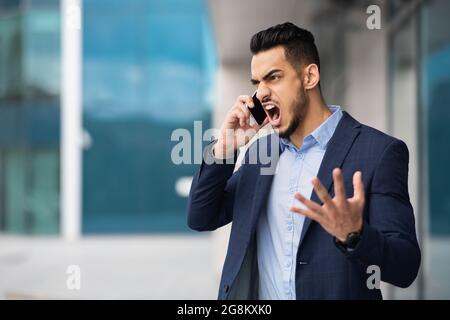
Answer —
(273, 112)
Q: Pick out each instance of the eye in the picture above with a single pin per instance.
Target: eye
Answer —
(275, 77)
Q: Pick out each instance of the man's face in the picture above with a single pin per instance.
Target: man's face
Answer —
(280, 90)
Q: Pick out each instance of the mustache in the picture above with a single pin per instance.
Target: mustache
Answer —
(266, 100)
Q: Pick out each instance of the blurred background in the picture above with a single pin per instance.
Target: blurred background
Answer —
(91, 91)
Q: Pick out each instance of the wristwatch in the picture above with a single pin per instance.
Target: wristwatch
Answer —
(351, 241)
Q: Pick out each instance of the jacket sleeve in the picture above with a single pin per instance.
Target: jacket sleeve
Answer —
(389, 237)
(211, 198)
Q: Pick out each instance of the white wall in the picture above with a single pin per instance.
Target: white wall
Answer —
(365, 90)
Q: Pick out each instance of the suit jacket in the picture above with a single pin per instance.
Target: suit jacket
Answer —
(323, 271)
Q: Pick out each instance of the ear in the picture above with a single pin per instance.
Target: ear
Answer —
(311, 76)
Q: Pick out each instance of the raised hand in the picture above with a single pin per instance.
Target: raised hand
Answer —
(340, 215)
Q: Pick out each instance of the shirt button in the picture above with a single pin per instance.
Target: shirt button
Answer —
(289, 228)
(288, 264)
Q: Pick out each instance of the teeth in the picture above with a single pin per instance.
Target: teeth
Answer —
(269, 106)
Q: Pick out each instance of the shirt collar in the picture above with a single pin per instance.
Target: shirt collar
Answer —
(320, 135)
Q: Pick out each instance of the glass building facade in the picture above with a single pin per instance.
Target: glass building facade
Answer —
(147, 70)
(419, 100)
(434, 70)
(29, 116)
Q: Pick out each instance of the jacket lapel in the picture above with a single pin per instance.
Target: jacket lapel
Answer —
(338, 147)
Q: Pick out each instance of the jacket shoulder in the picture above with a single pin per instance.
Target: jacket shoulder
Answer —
(377, 138)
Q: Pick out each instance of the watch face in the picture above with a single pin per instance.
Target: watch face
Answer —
(352, 240)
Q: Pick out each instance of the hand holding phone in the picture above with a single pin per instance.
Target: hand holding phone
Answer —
(257, 111)
(234, 132)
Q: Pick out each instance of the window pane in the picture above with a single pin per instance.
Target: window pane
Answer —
(145, 73)
(436, 101)
(29, 116)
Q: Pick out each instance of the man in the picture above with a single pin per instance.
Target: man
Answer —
(337, 204)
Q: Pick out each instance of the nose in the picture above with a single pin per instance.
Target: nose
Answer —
(263, 93)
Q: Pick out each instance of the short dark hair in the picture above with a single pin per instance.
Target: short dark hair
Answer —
(299, 45)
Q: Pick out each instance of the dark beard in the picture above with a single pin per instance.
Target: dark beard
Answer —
(299, 114)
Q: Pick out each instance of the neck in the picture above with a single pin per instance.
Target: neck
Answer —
(315, 115)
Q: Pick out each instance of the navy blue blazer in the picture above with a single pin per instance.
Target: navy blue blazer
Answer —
(323, 271)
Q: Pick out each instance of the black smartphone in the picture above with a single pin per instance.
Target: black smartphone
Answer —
(257, 111)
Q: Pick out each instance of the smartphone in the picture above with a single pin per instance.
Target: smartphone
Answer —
(257, 111)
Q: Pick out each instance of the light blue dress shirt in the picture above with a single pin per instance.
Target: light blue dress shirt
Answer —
(279, 230)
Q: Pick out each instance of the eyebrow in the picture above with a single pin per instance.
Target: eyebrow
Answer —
(255, 82)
